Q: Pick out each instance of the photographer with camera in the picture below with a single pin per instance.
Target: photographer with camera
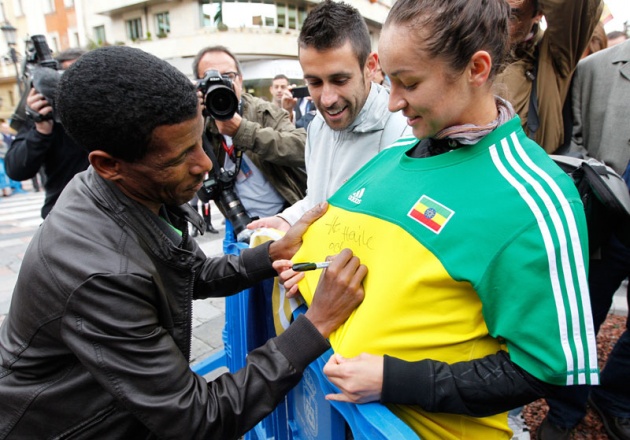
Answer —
(279, 88)
(295, 100)
(41, 141)
(260, 153)
(298, 102)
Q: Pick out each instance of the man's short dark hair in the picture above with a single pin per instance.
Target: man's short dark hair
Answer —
(280, 76)
(70, 54)
(331, 24)
(616, 34)
(112, 98)
(208, 49)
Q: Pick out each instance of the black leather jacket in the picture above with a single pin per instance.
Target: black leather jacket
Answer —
(97, 340)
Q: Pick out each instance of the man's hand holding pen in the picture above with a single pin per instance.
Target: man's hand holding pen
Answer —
(339, 290)
(290, 273)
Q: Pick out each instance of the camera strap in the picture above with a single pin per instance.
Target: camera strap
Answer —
(207, 147)
(234, 154)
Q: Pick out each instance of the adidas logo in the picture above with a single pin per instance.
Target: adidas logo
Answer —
(356, 196)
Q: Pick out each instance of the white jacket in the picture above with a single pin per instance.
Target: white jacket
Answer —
(333, 156)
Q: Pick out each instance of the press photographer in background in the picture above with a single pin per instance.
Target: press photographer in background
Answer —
(250, 132)
(41, 141)
(297, 102)
(303, 105)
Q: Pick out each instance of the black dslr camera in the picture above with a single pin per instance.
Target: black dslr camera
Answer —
(220, 188)
(218, 94)
(40, 70)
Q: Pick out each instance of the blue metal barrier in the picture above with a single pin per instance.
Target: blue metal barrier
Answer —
(211, 363)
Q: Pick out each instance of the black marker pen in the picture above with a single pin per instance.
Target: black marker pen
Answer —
(303, 267)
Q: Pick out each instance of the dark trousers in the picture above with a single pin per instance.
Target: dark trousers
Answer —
(568, 407)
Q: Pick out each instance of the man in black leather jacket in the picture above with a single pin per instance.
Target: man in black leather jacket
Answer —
(97, 340)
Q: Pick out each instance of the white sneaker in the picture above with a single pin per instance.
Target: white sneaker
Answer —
(520, 430)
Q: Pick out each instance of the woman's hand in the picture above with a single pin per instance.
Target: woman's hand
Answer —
(288, 277)
(360, 378)
(289, 244)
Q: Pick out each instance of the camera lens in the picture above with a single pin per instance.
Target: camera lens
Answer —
(234, 210)
(221, 102)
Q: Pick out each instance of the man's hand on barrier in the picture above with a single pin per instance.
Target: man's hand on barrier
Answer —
(287, 246)
(274, 222)
(339, 291)
(360, 378)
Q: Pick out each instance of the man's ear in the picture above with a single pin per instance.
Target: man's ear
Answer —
(371, 65)
(107, 166)
(480, 67)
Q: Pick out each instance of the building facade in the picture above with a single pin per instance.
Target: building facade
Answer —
(262, 33)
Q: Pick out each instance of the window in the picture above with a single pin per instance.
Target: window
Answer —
(54, 46)
(99, 35)
(301, 16)
(162, 23)
(264, 15)
(134, 29)
(282, 15)
(211, 13)
(270, 14)
(49, 6)
(17, 8)
(292, 17)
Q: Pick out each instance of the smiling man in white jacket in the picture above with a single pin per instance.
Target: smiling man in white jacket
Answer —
(353, 122)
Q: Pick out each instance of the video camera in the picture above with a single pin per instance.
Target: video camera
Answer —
(40, 71)
(219, 96)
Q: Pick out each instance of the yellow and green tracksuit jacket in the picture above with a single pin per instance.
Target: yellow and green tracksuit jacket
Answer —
(479, 250)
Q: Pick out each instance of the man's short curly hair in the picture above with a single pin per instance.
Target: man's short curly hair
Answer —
(112, 98)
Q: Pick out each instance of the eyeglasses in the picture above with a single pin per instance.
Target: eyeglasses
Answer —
(231, 75)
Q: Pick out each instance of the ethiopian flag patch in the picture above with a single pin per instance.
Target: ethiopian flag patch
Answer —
(430, 213)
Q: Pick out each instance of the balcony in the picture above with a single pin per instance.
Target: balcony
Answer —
(113, 7)
(246, 43)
